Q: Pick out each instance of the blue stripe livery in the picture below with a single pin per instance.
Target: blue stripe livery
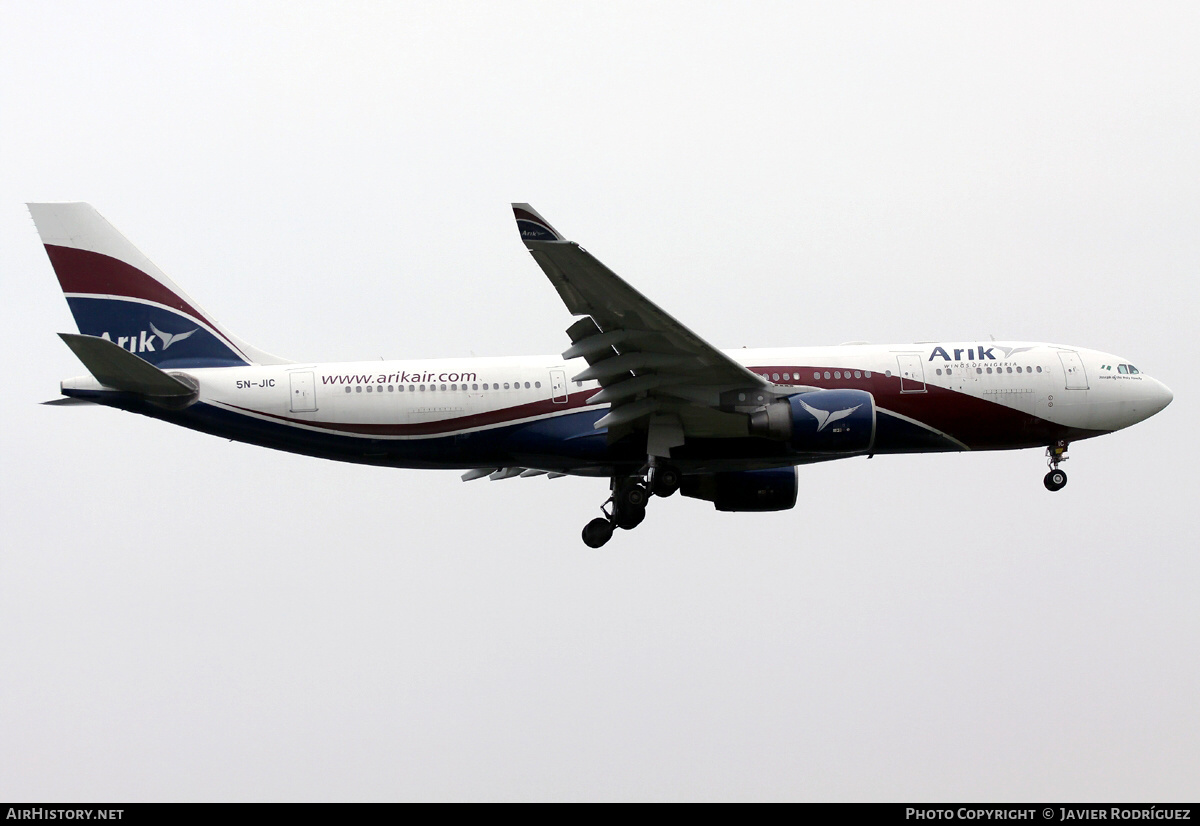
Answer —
(165, 338)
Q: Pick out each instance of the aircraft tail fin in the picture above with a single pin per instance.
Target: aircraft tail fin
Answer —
(116, 293)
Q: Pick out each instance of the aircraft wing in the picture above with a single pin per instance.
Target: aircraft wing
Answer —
(653, 370)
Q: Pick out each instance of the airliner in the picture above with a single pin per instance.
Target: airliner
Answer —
(636, 398)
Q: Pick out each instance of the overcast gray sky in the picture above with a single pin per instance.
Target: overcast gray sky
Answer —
(187, 618)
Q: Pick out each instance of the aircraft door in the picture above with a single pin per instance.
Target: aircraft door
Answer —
(912, 373)
(1073, 368)
(558, 385)
(304, 395)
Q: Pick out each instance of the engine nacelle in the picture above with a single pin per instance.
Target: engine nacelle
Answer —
(823, 421)
(773, 489)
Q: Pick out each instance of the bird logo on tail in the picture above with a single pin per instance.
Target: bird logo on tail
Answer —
(170, 338)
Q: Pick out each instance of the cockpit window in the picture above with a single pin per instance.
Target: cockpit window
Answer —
(1122, 368)
(1133, 370)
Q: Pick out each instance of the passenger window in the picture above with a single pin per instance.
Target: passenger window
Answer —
(348, 389)
(858, 374)
(816, 375)
(526, 385)
(358, 389)
(505, 385)
(537, 384)
(826, 374)
(939, 371)
(474, 386)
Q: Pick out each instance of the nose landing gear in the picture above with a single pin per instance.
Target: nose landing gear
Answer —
(1056, 479)
(628, 501)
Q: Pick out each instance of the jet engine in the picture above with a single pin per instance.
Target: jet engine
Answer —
(821, 421)
(773, 489)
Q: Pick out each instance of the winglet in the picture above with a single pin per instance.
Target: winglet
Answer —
(534, 227)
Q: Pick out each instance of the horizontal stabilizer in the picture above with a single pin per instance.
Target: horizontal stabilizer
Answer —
(68, 401)
(120, 369)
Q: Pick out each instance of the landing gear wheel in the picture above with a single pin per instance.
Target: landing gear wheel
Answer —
(1055, 480)
(628, 510)
(628, 518)
(632, 497)
(597, 532)
(666, 481)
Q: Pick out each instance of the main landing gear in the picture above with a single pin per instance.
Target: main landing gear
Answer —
(628, 502)
(1056, 479)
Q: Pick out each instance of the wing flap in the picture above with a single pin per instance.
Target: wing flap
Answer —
(497, 473)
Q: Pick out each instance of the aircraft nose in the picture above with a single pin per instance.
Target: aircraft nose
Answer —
(1162, 396)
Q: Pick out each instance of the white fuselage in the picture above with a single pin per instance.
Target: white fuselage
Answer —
(1070, 387)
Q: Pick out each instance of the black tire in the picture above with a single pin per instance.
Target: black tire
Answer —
(666, 481)
(628, 518)
(1055, 480)
(597, 532)
(634, 496)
